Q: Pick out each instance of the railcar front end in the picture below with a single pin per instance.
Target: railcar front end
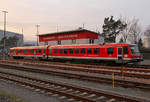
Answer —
(136, 56)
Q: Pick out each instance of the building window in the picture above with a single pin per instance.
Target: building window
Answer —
(46, 43)
(91, 41)
(74, 41)
(59, 42)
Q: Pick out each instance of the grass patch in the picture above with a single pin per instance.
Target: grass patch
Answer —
(12, 98)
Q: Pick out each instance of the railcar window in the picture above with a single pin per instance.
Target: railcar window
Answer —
(71, 51)
(96, 50)
(76, 50)
(39, 51)
(65, 51)
(26, 51)
(43, 50)
(32, 50)
(134, 49)
(83, 50)
(110, 50)
(29, 51)
(125, 50)
(60, 51)
(23, 51)
(35, 51)
(89, 50)
(55, 50)
(50, 51)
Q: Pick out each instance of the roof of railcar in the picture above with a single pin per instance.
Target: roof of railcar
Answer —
(72, 46)
(88, 45)
(29, 47)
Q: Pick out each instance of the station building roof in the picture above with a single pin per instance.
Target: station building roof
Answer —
(69, 31)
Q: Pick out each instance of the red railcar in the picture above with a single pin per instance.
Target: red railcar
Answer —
(108, 52)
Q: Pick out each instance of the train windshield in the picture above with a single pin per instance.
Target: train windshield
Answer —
(134, 49)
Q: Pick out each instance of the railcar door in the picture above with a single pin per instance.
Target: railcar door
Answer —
(120, 54)
(49, 53)
(44, 53)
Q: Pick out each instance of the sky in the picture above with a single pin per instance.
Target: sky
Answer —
(62, 15)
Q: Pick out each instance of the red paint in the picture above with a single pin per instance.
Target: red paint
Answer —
(102, 51)
(68, 36)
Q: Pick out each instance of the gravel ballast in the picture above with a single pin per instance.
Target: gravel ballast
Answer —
(125, 91)
(25, 93)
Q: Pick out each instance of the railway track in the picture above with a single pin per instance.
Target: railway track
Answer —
(74, 93)
(128, 72)
(129, 67)
(83, 76)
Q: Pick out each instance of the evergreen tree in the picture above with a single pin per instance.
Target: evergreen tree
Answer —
(111, 29)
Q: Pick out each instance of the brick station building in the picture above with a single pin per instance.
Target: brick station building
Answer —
(79, 36)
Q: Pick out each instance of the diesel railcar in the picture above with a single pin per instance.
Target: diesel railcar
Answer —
(119, 53)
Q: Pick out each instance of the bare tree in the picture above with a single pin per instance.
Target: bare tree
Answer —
(135, 31)
(125, 32)
(132, 32)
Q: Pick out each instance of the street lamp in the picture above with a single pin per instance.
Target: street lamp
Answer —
(4, 43)
(37, 32)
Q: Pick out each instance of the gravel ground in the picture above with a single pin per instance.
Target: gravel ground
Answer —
(145, 62)
(4, 98)
(124, 91)
(25, 93)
